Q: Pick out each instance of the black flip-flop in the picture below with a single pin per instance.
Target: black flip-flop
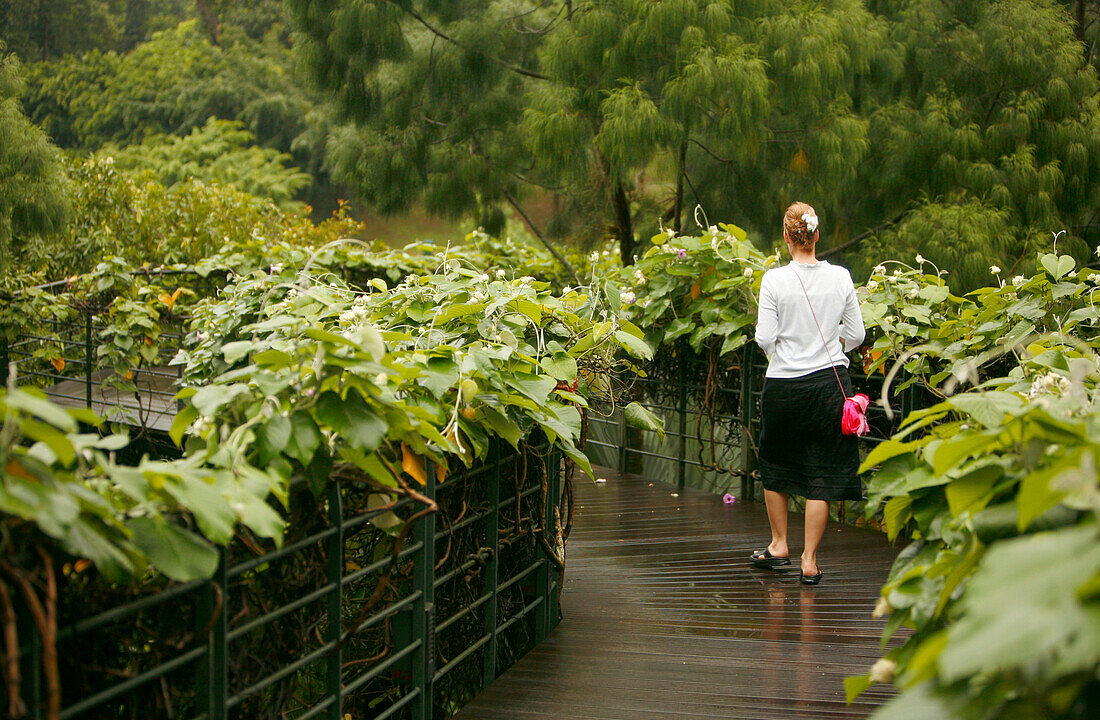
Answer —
(765, 559)
(809, 579)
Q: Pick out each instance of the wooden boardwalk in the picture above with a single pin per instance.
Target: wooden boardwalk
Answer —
(664, 617)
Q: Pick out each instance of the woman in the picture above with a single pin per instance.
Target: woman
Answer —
(808, 319)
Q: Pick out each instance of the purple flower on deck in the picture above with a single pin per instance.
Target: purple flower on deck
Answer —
(729, 499)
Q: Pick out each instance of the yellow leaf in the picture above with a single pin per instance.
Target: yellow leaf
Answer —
(14, 469)
(170, 300)
(800, 163)
(82, 565)
(413, 464)
(695, 290)
(129, 374)
(440, 473)
(58, 364)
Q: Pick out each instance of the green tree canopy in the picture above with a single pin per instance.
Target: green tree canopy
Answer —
(169, 85)
(625, 111)
(221, 151)
(32, 188)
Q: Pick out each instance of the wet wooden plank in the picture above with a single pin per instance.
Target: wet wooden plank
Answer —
(153, 406)
(665, 618)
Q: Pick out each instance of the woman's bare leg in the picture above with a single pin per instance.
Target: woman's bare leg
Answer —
(777, 518)
(817, 515)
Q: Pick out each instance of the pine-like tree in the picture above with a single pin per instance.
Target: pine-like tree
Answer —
(32, 187)
(631, 112)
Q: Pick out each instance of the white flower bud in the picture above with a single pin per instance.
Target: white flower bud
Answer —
(883, 671)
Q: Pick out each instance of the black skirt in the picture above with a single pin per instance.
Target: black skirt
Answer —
(802, 450)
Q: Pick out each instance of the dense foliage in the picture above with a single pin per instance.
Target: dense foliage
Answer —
(138, 219)
(629, 111)
(997, 487)
(32, 198)
(222, 152)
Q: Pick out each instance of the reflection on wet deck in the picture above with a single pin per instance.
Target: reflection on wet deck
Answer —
(665, 618)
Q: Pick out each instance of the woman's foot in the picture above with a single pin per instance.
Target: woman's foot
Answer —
(771, 557)
(809, 579)
(809, 573)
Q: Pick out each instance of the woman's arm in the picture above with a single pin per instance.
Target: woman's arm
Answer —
(767, 318)
(852, 332)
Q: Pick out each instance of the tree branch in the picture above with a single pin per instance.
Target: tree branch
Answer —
(860, 238)
(538, 233)
(439, 33)
(705, 149)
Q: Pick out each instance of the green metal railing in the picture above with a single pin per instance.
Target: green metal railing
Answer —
(75, 375)
(711, 414)
(372, 607)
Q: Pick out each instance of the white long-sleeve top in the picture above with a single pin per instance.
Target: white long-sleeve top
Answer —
(785, 327)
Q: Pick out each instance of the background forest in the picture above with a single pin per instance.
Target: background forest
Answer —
(909, 124)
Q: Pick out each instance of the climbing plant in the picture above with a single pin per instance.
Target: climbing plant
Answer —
(996, 485)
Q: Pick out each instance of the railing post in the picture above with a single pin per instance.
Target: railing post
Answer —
(681, 409)
(88, 358)
(546, 615)
(423, 666)
(554, 488)
(748, 461)
(335, 576)
(213, 680)
(5, 357)
(622, 440)
(30, 663)
(492, 541)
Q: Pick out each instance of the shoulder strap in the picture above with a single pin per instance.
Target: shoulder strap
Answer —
(843, 392)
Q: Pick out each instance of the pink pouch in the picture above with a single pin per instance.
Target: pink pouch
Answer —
(854, 421)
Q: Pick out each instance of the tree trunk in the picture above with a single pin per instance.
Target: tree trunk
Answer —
(209, 19)
(680, 172)
(624, 229)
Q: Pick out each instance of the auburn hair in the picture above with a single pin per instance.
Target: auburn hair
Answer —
(796, 227)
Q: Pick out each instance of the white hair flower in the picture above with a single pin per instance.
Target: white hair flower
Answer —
(500, 274)
(1019, 280)
(879, 270)
(811, 221)
(747, 272)
(628, 297)
(994, 270)
(920, 259)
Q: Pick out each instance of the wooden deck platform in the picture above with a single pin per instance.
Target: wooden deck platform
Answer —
(152, 407)
(664, 618)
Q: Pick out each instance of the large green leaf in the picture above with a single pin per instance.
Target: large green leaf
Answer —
(439, 375)
(179, 554)
(502, 425)
(32, 403)
(212, 397)
(352, 419)
(635, 346)
(639, 416)
(989, 408)
(1021, 609)
(304, 438)
(560, 366)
